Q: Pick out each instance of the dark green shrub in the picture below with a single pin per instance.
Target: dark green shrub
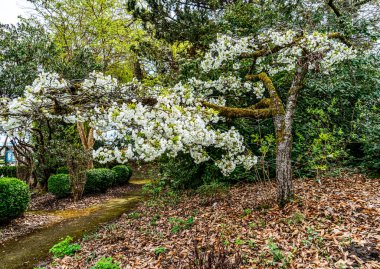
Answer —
(59, 185)
(182, 173)
(106, 263)
(65, 248)
(123, 174)
(8, 171)
(62, 170)
(99, 180)
(14, 197)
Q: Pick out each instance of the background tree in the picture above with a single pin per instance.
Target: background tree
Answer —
(102, 27)
(25, 49)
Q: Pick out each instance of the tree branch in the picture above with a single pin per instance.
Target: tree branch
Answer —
(331, 4)
(235, 112)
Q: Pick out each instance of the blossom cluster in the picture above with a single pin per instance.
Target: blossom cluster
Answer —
(176, 123)
(226, 85)
(324, 52)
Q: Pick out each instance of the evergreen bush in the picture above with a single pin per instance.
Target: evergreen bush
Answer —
(99, 180)
(14, 197)
(123, 174)
(59, 185)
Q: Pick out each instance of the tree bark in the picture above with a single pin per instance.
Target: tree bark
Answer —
(284, 137)
(284, 172)
(88, 142)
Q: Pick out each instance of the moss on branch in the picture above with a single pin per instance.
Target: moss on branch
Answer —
(235, 112)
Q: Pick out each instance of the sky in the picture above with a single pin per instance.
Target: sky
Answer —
(10, 9)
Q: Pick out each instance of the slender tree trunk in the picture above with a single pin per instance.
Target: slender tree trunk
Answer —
(284, 138)
(88, 141)
(284, 167)
(283, 159)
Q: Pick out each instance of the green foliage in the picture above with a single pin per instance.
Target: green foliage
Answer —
(153, 189)
(14, 197)
(278, 255)
(134, 215)
(24, 47)
(8, 171)
(59, 185)
(368, 126)
(182, 173)
(62, 170)
(213, 189)
(179, 224)
(99, 180)
(320, 142)
(106, 263)
(64, 248)
(123, 174)
(159, 250)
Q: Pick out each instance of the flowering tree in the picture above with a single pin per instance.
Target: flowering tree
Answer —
(138, 122)
(183, 117)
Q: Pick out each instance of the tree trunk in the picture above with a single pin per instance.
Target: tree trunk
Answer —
(88, 142)
(284, 137)
(284, 169)
(283, 159)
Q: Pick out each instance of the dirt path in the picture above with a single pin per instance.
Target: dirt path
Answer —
(26, 251)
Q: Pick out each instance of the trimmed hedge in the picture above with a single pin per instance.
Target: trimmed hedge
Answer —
(123, 174)
(14, 197)
(62, 170)
(59, 185)
(8, 171)
(99, 180)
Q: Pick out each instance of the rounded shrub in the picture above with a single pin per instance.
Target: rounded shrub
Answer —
(62, 170)
(59, 185)
(99, 180)
(123, 174)
(14, 197)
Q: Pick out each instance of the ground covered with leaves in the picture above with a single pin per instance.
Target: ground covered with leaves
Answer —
(334, 223)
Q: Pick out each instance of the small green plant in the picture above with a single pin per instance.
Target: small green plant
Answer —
(91, 236)
(159, 250)
(64, 248)
(106, 263)
(276, 252)
(213, 189)
(153, 190)
(247, 211)
(297, 218)
(179, 224)
(134, 215)
(155, 219)
(252, 244)
(314, 237)
(239, 242)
